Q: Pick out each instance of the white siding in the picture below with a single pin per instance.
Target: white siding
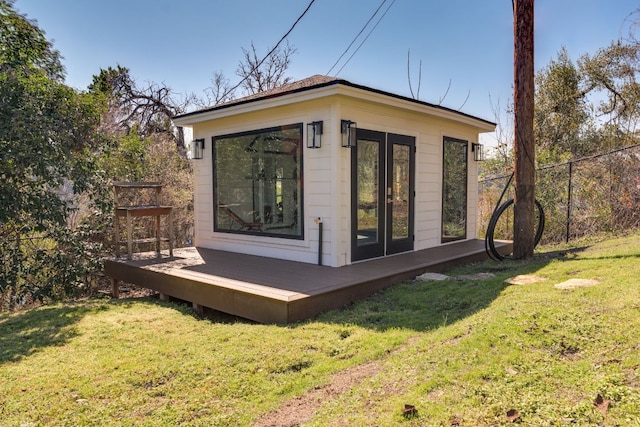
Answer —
(428, 189)
(327, 176)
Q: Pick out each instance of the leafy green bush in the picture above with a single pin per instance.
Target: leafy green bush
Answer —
(47, 138)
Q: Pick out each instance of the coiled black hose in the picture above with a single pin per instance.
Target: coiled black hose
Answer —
(489, 243)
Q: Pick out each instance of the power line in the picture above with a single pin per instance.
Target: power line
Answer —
(356, 37)
(365, 39)
(271, 51)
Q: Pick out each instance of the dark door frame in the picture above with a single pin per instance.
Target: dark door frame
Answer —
(446, 196)
(405, 244)
(374, 249)
(385, 244)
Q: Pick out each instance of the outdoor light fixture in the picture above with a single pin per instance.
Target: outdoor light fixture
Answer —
(197, 148)
(478, 151)
(348, 131)
(314, 134)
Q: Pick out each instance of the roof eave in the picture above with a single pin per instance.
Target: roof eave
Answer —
(335, 87)
(258, 103)
(253, 105)
(418, 106)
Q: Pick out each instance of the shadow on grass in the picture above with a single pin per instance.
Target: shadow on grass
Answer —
(612, 257)
(26, 332)
(417, 305)
(186, 308)
(421, 306)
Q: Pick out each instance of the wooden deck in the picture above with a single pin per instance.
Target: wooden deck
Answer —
(269, 290)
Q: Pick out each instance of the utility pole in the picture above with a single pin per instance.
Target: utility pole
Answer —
(524, 145)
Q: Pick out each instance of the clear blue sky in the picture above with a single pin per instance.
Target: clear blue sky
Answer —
(467, 42)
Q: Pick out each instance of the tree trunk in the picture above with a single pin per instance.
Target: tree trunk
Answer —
(524, 146)
(180, 141)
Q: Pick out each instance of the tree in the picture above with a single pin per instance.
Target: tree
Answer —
(500, 160)
(24, 45)
(524, 145)
(47, 131)
(257, 75)
(149, 108)
(561, 111)
(144, 145)
(221, 91)
(262, 75)
(614, 71)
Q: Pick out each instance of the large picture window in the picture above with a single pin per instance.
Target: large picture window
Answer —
(454, 190)
(257, 182)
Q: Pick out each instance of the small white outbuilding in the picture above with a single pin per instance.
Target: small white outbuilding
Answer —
(325, 170)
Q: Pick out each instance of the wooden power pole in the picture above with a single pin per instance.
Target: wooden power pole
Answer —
(524, 144)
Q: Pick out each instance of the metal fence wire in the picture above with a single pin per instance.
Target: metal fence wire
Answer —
(590, 195)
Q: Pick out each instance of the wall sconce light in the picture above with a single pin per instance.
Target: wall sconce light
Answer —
(478, 151)
(314, 134)
(348, 131)
(197, 148)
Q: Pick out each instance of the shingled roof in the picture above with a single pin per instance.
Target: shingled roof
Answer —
(314, 82)
(309, 82)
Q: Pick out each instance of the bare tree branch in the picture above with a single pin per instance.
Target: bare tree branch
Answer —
(445, 94)
(408, 72)
(148, 108)
(465, 100)
(417, 94)
(419, 79)
(261, 77)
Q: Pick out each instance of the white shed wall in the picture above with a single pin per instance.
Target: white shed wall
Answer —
(327, 176)
(318, 181)
(429, 133)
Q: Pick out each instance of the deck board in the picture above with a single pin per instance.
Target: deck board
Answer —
(279, 291)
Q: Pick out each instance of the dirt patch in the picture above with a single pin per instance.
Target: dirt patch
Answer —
(126, 290)
(296, 411)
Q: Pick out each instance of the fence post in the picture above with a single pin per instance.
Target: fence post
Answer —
(569, 203)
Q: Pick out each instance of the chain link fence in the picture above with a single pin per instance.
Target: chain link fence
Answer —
(591, 195)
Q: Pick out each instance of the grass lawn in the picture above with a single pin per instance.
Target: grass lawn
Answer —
(470, 352)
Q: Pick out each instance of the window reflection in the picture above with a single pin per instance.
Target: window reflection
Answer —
(454, 190)
(257, 182)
